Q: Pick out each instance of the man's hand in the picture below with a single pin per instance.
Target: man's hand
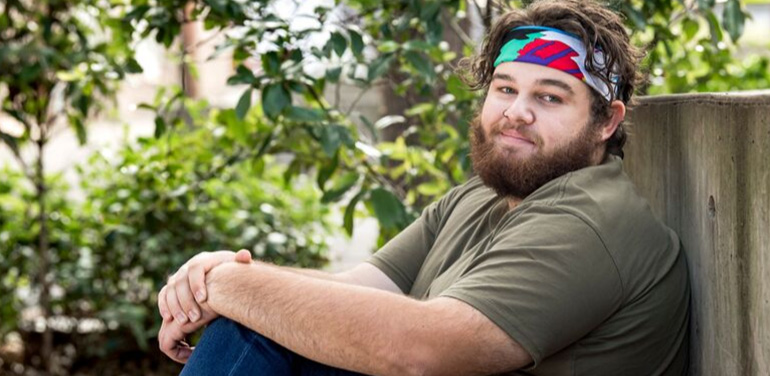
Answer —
(185, 291)
(177, 297)
(172, 335)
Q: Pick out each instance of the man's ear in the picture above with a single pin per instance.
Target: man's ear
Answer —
(618, 114)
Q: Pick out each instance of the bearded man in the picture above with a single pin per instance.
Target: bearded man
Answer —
(546, 263)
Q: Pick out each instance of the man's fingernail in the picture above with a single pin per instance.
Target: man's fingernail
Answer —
(181, 317)
(200, 296)
(193, 315)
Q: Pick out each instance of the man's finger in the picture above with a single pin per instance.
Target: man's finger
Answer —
(197, 277)
(243, 256)
(173, 305)
(183, 352)
(185, 298)
(170, 341)
(162, 306)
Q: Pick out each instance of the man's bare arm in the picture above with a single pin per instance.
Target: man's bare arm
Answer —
(364, 274)
(185, 291)
(362, 328)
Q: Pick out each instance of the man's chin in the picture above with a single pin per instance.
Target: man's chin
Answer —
(519, 153)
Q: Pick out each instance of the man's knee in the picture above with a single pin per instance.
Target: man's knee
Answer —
(226, 344)
(226, 332)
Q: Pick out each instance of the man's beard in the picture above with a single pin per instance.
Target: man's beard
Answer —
(513, 176)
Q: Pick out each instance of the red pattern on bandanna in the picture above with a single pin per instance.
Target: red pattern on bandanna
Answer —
(565, 63)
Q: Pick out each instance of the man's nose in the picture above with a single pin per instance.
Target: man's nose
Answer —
(519, 111)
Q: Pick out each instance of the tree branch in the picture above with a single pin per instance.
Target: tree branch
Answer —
(458, 30)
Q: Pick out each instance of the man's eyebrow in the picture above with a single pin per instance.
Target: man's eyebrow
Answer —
(503, 76)
(560, 84)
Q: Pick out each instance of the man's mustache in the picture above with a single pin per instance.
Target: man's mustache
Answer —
(522, 130)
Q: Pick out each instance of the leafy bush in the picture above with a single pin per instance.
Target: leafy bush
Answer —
(147, 210)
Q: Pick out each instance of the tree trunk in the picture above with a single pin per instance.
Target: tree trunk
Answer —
(43, 257)
(189, 50)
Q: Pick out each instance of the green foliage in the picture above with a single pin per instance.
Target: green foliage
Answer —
(57, 60)
(148, 210)
(19, 231)
(164, 200)
(688, 49)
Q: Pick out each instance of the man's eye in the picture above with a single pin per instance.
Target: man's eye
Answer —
(507, 90)
(551, 98)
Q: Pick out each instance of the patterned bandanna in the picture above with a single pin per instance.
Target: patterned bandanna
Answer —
(555, 49)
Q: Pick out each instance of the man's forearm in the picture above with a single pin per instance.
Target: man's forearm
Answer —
(338, 324)
(314, 273)
(364, 274)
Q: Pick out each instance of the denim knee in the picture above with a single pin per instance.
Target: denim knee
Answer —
(229, 348)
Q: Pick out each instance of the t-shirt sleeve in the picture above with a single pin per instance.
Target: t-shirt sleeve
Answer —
(402, 257)
(546, 280)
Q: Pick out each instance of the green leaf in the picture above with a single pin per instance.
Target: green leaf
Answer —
(716, 30)
(435, 30)
(635, 15)
(370, 127)
(137, 13)
(356, 42)
(420, 109)
(341, 186)
(80, 129)
(271, 63)
(431, 188)
(350, 212)
(733, 19)
(10, 141)
(417, 45)
(294, 169)
(132, 66)
(332, 136)
(421, 63)
(690, 27)
(388, 47)
(244, 104)
(388, 209)
(430, 10)
(242, 75)
(706, 4)
(160, 126)
(333, 74)
(379, 66)
(302, 114)
(236, 127)
(339, 43)
(325, 171)
(458, 88)
(147, 106)
(275, 98)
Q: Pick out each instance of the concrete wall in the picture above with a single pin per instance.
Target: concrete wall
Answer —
(703, 162)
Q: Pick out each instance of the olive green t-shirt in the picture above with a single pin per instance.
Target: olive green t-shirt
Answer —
(580, 273)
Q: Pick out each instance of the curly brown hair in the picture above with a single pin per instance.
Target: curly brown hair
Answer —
(592, 22)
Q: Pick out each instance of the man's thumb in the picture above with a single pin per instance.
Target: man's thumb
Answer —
(243, 256)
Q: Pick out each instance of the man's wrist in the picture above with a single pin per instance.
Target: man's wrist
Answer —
(219, 279)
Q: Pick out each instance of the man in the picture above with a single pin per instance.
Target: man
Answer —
(547, 263)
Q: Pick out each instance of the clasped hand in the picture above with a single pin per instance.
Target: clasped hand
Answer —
(182, 302)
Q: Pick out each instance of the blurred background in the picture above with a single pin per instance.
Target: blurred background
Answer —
(138, 133)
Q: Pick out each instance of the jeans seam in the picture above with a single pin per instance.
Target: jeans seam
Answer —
(243, 353)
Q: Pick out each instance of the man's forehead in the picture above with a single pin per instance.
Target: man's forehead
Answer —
(533, 74)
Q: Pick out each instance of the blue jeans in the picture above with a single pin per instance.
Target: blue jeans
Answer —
(228, 348)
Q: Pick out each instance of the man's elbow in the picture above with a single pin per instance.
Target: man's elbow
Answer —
(416, 361)
(433, 361)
